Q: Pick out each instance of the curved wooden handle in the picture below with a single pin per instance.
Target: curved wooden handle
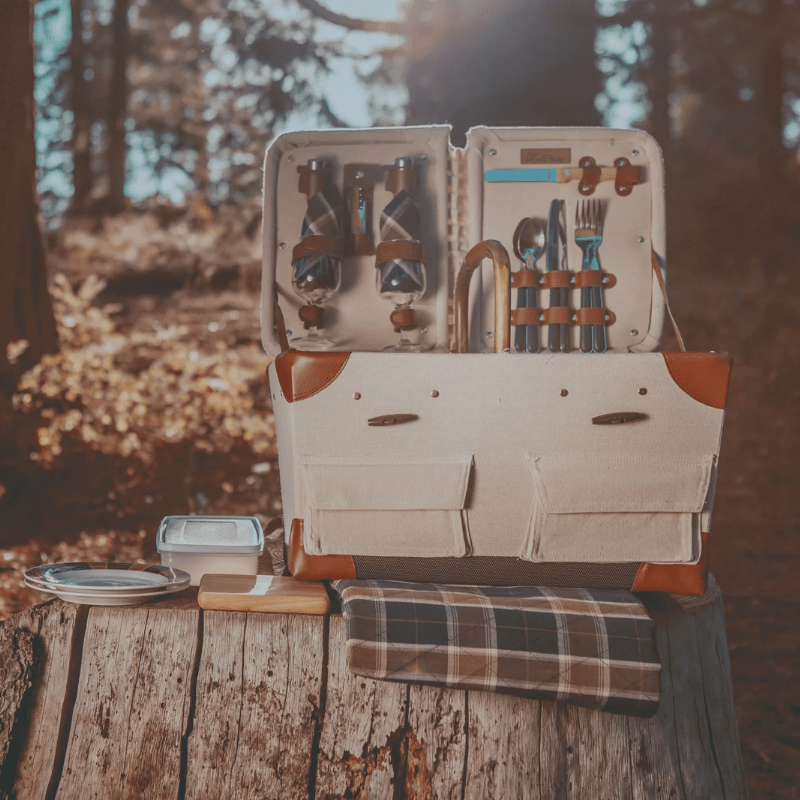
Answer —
(490, 248)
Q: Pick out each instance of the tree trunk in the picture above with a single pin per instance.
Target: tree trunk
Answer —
(81, 133)
(26, 313)
(117, 107)
(166, 700)
(660, 125)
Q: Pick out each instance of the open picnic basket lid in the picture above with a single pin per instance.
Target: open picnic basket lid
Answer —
(467, 195)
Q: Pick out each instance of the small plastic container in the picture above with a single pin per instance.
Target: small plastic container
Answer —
(200, 545)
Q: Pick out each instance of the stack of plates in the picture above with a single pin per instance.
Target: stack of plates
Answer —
(107, 583)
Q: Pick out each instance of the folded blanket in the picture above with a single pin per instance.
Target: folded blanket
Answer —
(591, 647)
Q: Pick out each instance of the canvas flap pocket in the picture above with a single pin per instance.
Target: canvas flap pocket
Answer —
(617, 508)
(411, 506)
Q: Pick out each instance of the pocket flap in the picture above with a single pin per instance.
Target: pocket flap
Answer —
(411, 483)
(590, 484)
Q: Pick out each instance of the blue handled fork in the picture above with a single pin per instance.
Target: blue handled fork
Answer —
(589, 236)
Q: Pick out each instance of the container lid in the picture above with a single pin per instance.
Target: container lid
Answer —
(233, 535)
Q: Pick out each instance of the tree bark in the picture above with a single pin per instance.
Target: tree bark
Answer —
(81, 141)
(117, 107)
(661, 39)
(26, 313)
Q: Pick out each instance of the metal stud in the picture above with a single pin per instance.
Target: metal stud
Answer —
(564, 392)
(435, 393)
(291, 158)
(282, 246)
(642, 390)
(356, 395)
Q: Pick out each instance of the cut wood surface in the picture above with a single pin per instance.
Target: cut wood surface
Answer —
(166, 700)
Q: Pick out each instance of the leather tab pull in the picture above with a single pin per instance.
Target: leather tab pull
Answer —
(593, 277)
(557, 279)
(591, 175)
(594, 316)
(526, 316)
(399, 249)
(618, 418)
(312, 316)
(403, 319)
(316, 245)
(557, 315)
(526, 278)
(627, 176)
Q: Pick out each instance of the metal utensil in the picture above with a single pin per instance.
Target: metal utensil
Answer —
(589, 236)
(556, 333)
(528, 245)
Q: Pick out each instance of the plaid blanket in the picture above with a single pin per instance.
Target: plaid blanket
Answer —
(591, 647)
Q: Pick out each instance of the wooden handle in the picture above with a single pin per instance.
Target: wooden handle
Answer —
(490, 248)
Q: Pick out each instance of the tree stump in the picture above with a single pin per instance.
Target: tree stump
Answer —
(168, 701)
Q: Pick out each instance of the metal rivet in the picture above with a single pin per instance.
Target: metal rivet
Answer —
(423, 157)
(489, 334)
(282, 246)
(642, 390)
(288, 333)
(564, 392)
(493, 152)
(356, 395)
(291, 158)
(640, 239)
(634, 332)
(424, 330)
(636, 152)
(605, 279)
(435, 393)
(359, 174)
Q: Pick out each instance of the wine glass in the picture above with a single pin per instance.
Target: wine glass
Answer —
(316, 278)
(402, 281)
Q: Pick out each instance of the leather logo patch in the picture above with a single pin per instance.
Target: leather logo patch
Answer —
(545, 155)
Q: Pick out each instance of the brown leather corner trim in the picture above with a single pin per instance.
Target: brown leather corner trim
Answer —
(703, 376)
(315, 568)
(526, 278)
(557, 279)
(303, 375)
(675, 578)
(399, 248)
(313, 245)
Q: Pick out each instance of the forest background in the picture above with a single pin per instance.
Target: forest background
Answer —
(133, 131)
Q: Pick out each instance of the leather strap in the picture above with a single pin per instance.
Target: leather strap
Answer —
(526, 278)
(557, 279)
(591, 175)
(659, 277)
(399, 249)
(526, 316)
(593, 277)
(627, 177)
(312, 316)
(403, 319)
(557, 315)
(594, 316)
(317, 244)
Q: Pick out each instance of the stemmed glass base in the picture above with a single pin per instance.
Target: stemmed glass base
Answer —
(405, 346)
(312, 342)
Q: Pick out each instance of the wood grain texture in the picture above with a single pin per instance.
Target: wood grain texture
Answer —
(266, 593)
(362, 730)
(258, 697)
(17, 666)
(132, 707)
(57, 628)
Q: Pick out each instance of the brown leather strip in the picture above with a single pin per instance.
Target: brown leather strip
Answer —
(675, 578)
(526, 278)
(314, 568)
(627, 177)
(557, 279)
(591, 175)
(703, 376)
(314, 245)
(397, 179)
(594, 316)
(593, 277)
(312, 316)
(302, 375)
(525, 316)
(400, 248)
(660, 279)
(557, 315)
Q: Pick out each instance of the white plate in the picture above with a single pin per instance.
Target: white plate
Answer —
(107, 583)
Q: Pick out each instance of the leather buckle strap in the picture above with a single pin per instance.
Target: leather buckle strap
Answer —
(318, 245)
(409, 249)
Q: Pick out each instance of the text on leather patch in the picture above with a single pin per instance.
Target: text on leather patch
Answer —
(545, 155)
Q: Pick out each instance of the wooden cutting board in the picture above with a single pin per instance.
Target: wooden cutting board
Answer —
(262, 593)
